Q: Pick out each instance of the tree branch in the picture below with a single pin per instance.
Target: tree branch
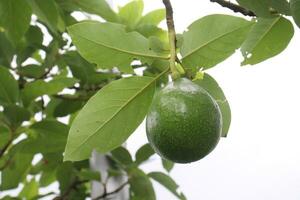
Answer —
(105, 194)
(234, 7)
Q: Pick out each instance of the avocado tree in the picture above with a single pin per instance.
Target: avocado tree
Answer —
(90, 85)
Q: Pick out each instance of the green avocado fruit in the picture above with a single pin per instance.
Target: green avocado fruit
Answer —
(184, 123)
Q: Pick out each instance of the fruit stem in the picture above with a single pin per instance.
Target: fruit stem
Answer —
(172, 38)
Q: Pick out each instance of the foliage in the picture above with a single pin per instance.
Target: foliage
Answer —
(80, 75)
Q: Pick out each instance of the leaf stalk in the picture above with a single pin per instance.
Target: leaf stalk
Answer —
(172, 38)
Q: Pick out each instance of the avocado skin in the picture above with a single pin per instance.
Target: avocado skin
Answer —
(184, 123)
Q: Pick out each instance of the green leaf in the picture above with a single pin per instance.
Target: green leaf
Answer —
(39, 88)
(140, 186)
(109, 117)
(167, 182)
(63, 107)
(6, 50)
(122, 156)
(32, 71)
(15, 17)
(4, 135)
(51, 137)
(168, 165)
(18, 167)
(153, 18)
(268, 38)
(16, 115)
(260, 7)
(66, 107)
(65, 175)
(213, 88)
(212, 39)
(87, 174)
(266, 8)
(47, 177)
(48, 167)
(143, 154)
(46, 11)
(115, 172)
(131, 13)
(295, 9)
(80, 68)
(282, 6)
(98, 7)
(34, 36)
(151, 30)
(109, 45)
(9, 89)
(30, 190)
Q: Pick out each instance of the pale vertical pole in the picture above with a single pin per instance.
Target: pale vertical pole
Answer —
(100, 163)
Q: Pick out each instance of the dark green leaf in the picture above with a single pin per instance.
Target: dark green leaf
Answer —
(66, 107)
(18, 167)
(47, 12)
(40, 87)
(65, 175)
(295, 9)
(140, 186)
(259, 7)
(34, 36)
(15, 115)
(167, 182)
(100, 43)
(122, 156)
(63, 107)
(168, 165)
(80, 68)
(4, 135)
(268, 38)
(143, 154)
(9, 89)
(48, 166)
(282, 6)
(109, 117)
(213, 88)
(15, 17)
(32, 71)
(212, 39)
(6, 50)
(51, 137)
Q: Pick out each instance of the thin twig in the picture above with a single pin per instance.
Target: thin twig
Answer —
(234, 7)
(105, 194)
(3, 150)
